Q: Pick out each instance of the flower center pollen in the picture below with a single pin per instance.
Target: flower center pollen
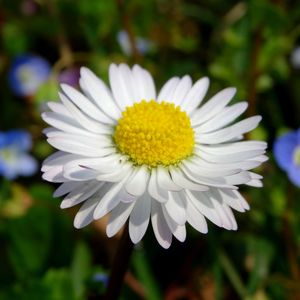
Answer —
(153, 134)
(297, 156)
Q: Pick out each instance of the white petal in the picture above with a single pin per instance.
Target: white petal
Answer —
(67, 187)
(57, 159)
(83, 120)
(165, 181)
(167, 90)
(149, 85)
(181, 90)
(144, 83)
(229, 197)
(160, 227)
(111, 198)
(225, 220)
(212, 106)
(107, 199)
(234, 147)
(100, 141)
(52, 166)
(255, 183)
(85, 105)
(178, 231)
(85, 213)
(122, 92)
(181, 180)
(214, 167)
(231, 216)
(48, 130)
(81, 193)
(261, 158)
(73, 171)
(254, 175)
(117, 175)
(193, 166)
(105, 164)
(139, 218)
(225, 213)
(206, 154)
(118, 217)
(195, 218)
(126, 197)
(204, 205)
(100, 93)
(76, 147)
(59, 108)
(222, 119)
(138, 181)
(54, 175)
(240, 178)
(128, 78)
(154, 190)
(65, 124)
(228, 133)
(175, 208)
(238, 197)
(195, 95)
(206, 181)
(219, 200)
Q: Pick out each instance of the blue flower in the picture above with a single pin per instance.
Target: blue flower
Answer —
(14, 159)
(101, 277)
(287, 155)
(27, 73)
(142, 45)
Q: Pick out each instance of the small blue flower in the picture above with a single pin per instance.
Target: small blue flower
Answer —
(101, 277)
(142, 45)
(27, 73)
(14, 159)
(287, 155)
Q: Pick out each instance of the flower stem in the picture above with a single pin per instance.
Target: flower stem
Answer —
(119, 268)
(232, 274)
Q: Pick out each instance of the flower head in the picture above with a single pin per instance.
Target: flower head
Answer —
(14, 159)
(143, 156)
(287, 155)
(27, 73)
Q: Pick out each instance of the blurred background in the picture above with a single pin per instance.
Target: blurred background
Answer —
(253, 45)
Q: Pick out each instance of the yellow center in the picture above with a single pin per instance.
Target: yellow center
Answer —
(153, 134)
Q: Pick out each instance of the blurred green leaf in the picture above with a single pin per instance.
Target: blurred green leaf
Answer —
(59, 284)
(29, 241)
(261, 253)
(15, 41)
(144, 273)
(80, 269)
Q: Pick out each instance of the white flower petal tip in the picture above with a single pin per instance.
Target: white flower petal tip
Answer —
(120, 153)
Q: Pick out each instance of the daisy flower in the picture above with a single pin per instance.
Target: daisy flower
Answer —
(163, 157)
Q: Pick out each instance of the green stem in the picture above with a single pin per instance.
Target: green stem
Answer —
(232, 275)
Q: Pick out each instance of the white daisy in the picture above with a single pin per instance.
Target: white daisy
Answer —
(144, 156)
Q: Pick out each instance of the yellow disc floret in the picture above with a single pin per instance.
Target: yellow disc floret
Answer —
(153, 134)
